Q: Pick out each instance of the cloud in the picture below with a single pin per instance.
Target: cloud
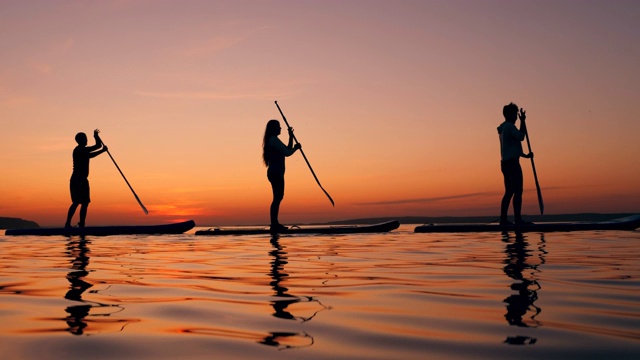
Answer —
(9, 99)
(202, 95)
(213, 95)
(42, 68)
(67, 45)
(431, 200)
(214, 45)
(53, 54)
(463, 196)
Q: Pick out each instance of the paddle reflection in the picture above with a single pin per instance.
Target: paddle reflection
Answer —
(285, 340)
(523, 268)
(78, 250)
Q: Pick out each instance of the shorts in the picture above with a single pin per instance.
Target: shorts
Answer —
(79, 190)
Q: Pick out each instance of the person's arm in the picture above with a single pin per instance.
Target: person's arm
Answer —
(290, 143)
(96, 153)
(523, 131)
(523, 123)
(98, 144)
(281, 148)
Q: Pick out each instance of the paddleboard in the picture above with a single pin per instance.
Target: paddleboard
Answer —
(626, 223)
(173, 228)
(327, 229)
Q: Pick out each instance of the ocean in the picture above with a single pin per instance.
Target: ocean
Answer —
(398, 295)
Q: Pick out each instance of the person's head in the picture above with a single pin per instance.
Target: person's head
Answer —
(81, 139)
(510, 112)
(273, 129)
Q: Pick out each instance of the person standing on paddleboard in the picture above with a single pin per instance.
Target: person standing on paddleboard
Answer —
(511, 150)
(273, 153)
(79, 183)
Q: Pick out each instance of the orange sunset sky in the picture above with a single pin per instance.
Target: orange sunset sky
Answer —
(396, 104)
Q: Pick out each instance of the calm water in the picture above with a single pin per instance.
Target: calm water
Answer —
(392, 296)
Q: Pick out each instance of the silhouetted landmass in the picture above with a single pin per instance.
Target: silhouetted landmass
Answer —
(15, 223)
(482, 219)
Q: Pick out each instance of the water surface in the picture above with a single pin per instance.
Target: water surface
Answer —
(364, 296)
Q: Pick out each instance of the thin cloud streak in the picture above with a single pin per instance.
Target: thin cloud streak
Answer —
(279, 90)
(430, 200)
(460, 196)
(214, 45)
(207, 95)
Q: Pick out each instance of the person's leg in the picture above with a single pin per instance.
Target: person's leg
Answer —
(70, 213)
(508, 193)
(83, 214)
(277, 186)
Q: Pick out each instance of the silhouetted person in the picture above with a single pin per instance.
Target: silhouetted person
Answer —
(511, 150)
(273, 154)
(79, 183)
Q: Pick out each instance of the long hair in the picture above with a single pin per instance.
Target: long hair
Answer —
(273, 126)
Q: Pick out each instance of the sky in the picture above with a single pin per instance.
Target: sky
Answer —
(396, 105)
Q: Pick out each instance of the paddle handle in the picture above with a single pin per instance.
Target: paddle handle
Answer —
(535, 175)
(127, 181)
(303, 155)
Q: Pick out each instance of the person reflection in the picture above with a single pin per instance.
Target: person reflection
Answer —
(79, 252)
(283, 301)
(520, 267)
(277, 276)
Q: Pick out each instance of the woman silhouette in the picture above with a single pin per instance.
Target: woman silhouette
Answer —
(273, 153)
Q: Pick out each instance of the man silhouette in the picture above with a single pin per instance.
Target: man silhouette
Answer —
(79, 183)
(511, 150)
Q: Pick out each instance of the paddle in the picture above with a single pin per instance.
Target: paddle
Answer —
(125, 180)
(305, 157)
(533, 165)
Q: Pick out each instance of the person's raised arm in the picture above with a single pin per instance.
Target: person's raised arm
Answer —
(290, 143)
(96, 153)
(523, 124)
(523, 130)
(98, 144)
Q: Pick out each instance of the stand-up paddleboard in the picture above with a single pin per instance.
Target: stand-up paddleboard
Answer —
(174, 228)
(342, 229)
(626, 223)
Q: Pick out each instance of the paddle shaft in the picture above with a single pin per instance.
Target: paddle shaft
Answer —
(125, 180)
(304, 156)
(535, 175)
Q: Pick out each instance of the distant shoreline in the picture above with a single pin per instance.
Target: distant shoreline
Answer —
(481, 219)
(17, 223)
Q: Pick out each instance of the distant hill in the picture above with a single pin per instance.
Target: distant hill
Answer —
(483, 219)
(15, 223)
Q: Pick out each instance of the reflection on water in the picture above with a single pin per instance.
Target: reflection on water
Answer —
(393, 296)
(78, 251)
(519, 266)
(283, 299)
